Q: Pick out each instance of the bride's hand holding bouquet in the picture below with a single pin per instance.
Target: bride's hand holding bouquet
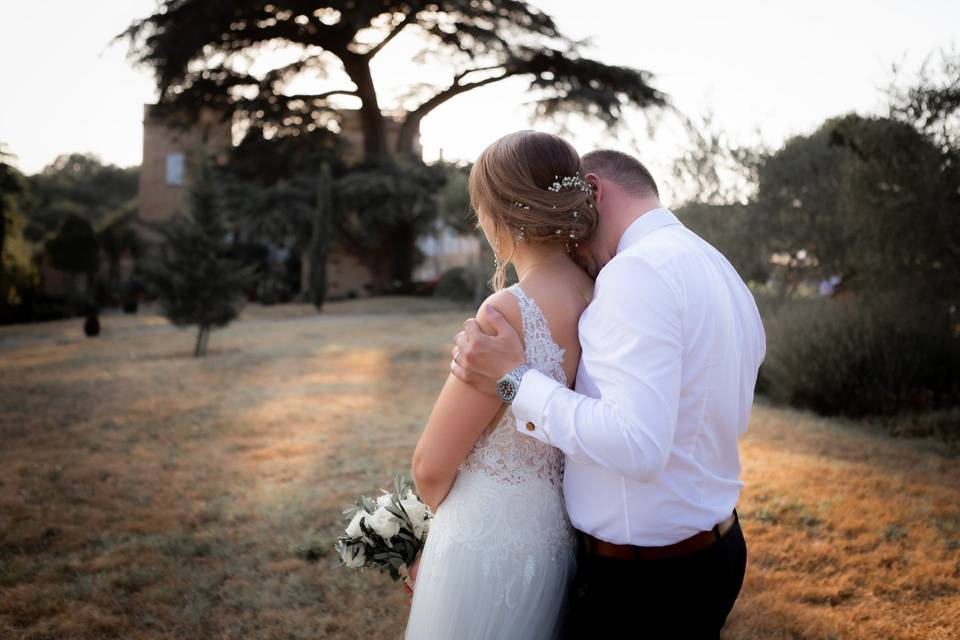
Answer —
(387, 533)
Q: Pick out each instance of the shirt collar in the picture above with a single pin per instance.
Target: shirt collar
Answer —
(647, 222)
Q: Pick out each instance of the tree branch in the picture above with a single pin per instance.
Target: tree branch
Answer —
(321, 96)
(390, 36)
(411, 124)
(460, 76)
(456, 89)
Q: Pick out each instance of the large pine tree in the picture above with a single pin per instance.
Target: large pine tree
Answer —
(195, 280)
(200, 51)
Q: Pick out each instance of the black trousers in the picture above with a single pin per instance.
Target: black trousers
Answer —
(687, 598)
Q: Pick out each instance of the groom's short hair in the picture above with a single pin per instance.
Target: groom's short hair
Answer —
(623, 169)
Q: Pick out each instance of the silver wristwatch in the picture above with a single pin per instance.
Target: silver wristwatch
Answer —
(508, 385)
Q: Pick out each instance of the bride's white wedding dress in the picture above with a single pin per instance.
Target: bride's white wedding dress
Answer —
(501, 551)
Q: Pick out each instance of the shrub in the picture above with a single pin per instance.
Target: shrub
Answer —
(842, 356)
(455, 284)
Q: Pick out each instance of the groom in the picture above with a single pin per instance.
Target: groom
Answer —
(672, 342)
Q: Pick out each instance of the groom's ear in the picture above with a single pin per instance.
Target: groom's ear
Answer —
(596, 184)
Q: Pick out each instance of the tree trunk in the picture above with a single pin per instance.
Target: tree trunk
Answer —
(305, 292)
(402, 259)
(113, 278)
(400, 252)
(371, 118)
(200, 349)
(408, 135)
(320, 237)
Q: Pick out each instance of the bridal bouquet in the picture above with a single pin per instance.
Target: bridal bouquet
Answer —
(386, 533)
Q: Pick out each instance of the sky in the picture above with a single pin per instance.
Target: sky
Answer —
(765, 70)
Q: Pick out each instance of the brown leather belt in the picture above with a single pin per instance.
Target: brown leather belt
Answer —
(696, 542)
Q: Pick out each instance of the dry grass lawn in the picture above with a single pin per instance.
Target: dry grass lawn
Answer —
(147, 494)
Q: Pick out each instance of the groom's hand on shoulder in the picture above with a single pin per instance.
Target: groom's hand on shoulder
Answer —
(489, 346)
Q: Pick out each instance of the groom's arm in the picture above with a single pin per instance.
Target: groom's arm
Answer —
(632, 353)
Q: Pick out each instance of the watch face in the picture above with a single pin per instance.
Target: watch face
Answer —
(506, 390)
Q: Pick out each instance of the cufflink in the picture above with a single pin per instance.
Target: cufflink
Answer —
(530, 426)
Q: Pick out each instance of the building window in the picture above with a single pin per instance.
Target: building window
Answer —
(175, 169)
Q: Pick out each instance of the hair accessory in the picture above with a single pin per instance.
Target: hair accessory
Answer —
(568, 182)
(521, 205)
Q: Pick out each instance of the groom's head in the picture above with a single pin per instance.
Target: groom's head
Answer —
(623, 190)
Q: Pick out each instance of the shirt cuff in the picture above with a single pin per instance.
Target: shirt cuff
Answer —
(530, 405)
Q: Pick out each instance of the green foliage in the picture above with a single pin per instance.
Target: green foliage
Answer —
(455, 284)
(12, 185)
(271, 188)
(381, 195)
(712, 170)
(843, 356)
(714, 179)
(931, 101)
(193, 277)
(873, 200)
(197, 50)
(80, 185)
(266, 161)
(185, 43)
(728, 227)
(454, 200)
(74, 248)
(867, 199)
(12, 276)
(385, 205)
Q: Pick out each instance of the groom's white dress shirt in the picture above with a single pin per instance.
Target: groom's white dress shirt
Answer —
(671, 345)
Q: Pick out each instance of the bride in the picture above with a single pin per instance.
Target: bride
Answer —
(501, 551)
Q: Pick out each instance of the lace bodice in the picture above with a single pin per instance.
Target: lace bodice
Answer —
(501, 451)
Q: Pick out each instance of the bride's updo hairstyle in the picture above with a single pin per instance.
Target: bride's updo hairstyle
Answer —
(531, 185)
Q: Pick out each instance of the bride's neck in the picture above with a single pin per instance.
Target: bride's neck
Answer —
(531, 255)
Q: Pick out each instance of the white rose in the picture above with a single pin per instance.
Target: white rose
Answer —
(385, 500)
(353, 556)
(418, 516)
(384, 523)
(353, 529)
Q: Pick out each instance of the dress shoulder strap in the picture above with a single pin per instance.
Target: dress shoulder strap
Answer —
(543, 353)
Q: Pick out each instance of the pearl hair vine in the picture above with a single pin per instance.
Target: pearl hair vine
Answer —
(560, 183)
(568, 182)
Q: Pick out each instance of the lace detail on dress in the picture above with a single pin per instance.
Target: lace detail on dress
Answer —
(543, 353)
(501, 451)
